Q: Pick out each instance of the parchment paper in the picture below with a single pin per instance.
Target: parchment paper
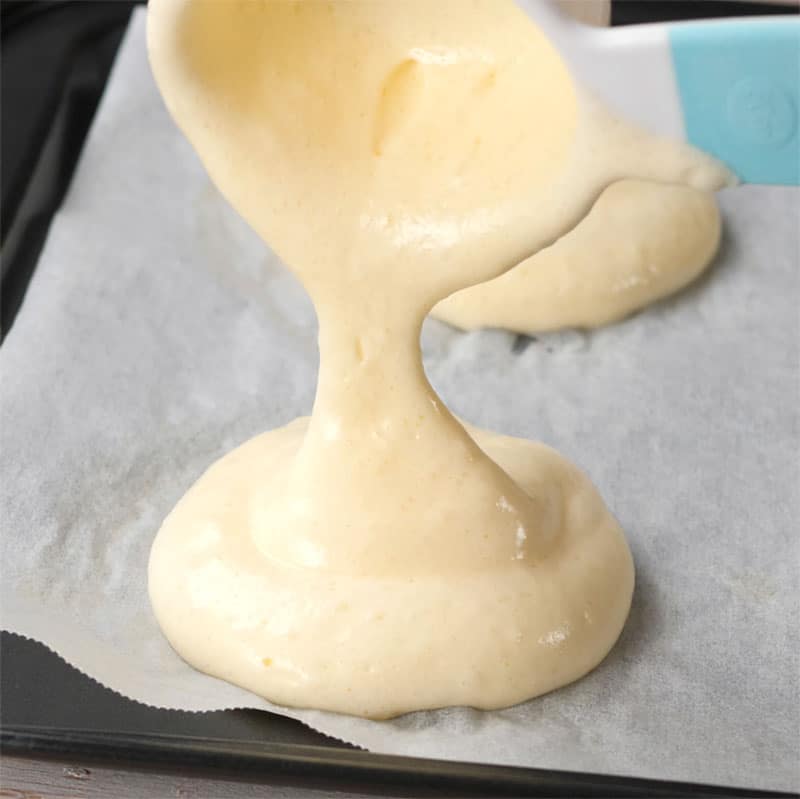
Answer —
(158, 333)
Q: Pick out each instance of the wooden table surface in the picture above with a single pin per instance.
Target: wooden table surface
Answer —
(23, 778)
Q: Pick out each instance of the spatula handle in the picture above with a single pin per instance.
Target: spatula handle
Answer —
(739, 88)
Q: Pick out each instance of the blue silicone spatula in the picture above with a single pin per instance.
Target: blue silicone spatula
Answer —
(731, 87)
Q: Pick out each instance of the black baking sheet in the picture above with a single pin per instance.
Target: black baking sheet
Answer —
(56, 58)
(49, 708)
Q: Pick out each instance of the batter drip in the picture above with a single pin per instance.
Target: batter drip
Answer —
(641, 242)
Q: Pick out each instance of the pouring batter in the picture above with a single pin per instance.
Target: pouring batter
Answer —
(641, 242)
(378, 557)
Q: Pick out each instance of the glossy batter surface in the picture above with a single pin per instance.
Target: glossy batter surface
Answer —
(378, 642)
(641, 242)
(378, 558)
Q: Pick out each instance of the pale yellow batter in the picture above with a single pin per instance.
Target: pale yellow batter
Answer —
(379, 558)
(641, 242)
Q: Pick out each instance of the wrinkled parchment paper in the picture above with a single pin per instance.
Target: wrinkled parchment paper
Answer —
(158, 333)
